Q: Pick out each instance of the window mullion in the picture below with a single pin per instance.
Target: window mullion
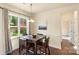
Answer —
(18, 26)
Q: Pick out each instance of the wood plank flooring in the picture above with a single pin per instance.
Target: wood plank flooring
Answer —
(66, 49)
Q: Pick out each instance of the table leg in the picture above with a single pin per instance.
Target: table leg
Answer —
(19, 46)
(35, 51)
(26, 46)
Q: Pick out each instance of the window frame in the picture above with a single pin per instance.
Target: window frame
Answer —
(18, 24)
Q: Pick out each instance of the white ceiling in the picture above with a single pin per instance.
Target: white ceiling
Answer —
(37, 7)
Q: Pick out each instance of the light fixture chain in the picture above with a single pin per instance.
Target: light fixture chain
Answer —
(31, 9)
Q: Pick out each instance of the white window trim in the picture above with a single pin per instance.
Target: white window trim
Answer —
(18, 25)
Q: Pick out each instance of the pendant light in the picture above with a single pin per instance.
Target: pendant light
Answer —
(31, 19)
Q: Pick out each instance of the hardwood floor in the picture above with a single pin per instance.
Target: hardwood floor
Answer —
(67, 49)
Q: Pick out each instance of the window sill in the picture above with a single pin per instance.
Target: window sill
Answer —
(14, 37)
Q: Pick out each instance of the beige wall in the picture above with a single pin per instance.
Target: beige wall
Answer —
(76, 30)
(53, 18)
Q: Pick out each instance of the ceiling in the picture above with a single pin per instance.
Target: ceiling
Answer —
(37, 7)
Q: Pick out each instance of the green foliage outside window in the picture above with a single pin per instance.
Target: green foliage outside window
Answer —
(14, 31)
(23, 30)
(22, 20)
(13, 20)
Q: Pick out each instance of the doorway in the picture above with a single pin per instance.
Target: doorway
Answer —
(67, 28)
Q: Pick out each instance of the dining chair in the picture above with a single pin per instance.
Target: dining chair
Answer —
(30, 45)
(43, 46)
(26, 45)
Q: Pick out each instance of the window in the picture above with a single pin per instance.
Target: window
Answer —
(18, 25)
(13, 21)
(22, 26)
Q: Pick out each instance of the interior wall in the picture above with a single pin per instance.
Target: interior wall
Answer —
(52, 19)
(76, 30)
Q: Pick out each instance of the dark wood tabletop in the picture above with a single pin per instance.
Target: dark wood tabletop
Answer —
(29, 37)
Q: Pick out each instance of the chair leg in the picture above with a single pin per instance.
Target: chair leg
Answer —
(40, 50)
(27, 48)
(33, 49)
(19, 47)
(45, 51)
(48, 50)
(19, 50)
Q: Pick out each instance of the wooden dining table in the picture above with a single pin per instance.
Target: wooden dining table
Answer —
(34, 40)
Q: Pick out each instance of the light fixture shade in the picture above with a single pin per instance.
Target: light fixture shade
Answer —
(31, 20)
